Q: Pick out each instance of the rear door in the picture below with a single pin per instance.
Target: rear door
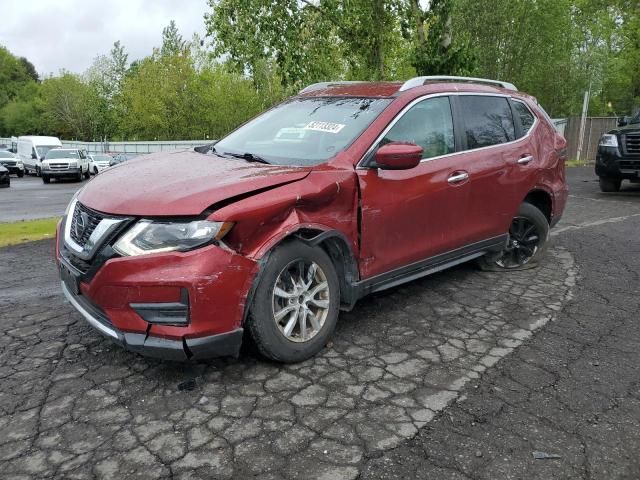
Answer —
(491, 151)
(411, 215)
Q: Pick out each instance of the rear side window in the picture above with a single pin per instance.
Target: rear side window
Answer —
(526, 117)
(488, 120)
(428, 124)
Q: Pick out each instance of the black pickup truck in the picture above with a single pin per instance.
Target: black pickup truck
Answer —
(619, 154)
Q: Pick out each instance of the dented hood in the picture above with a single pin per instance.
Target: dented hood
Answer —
(180, 183)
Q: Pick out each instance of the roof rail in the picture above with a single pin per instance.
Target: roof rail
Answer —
(321, 85)
(419, 81)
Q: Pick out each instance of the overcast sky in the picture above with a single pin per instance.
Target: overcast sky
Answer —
(57, 34)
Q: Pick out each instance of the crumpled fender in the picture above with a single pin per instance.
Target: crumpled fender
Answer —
(325, 200)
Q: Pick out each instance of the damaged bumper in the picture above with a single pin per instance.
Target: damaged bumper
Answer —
(175, 306)
(223, 344)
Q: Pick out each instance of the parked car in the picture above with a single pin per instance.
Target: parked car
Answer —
(65, 163)
(32, 150)
(618, 156)
(5, 179)
(98, 162)
(12, 163)
(177, 254)
(119, 158)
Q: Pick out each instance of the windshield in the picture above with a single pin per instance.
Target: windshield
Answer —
(306, 131)
(43, 149)
(62, 154)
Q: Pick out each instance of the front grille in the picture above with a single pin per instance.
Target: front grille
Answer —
(89, 220)
(58, 166)
(632, 143)
(81, 265)
(8, 163)
(629, 164)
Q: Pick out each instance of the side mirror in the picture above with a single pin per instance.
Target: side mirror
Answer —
(622, 121)
(34, 156)
(398, 156)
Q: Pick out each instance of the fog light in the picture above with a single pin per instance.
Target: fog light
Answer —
(169, 313)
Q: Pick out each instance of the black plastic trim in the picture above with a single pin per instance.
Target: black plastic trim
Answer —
(428, 266)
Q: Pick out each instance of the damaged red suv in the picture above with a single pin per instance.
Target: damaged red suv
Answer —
(345, 189)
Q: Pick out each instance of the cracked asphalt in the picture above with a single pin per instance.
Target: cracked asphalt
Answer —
(462, 375)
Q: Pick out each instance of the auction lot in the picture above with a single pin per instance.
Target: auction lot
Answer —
(28, 198)
(462, 375)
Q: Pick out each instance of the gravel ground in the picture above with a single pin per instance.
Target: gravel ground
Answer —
(460, 375)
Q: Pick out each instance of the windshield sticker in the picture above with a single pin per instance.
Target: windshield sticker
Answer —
(327, 127)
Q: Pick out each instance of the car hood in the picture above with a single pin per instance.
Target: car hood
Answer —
(180, 183)
(633, 128)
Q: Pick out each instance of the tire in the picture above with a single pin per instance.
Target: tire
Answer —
(87, 174)
(37, 171)
(80, 176)
(20, 174)
(523, 250)
(46, 179)
(269, 335)
(95, 170)
(610, 185)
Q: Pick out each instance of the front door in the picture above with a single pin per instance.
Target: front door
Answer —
(411, 215)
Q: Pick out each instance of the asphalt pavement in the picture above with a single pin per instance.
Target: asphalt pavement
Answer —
(461, 375)
(28, 198)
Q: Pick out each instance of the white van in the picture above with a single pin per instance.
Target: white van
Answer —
(32, 149)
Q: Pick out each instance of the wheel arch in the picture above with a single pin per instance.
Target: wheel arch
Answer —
(334, 243)
(542, 200)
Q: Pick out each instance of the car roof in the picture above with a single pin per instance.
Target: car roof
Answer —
(413, 87)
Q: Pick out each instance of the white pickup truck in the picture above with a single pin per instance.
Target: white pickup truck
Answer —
(64, 163)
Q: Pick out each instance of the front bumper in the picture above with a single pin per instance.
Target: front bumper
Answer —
(68, 172)
(224, 344)
(15, 169)
(115, 295)
(610, 163)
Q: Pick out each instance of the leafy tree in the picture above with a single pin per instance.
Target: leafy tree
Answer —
(172, 42)
(29, 69)
(13, 76)
(437, 51)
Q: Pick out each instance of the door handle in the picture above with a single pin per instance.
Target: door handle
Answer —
(458, 177)
(525, 160)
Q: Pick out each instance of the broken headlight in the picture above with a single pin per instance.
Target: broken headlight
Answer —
(147, 236)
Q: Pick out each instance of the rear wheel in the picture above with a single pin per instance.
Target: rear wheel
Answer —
(295, 307)
(46, 179)
(528, 236)
(610, 185)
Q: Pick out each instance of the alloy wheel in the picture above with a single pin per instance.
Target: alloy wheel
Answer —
(301, 300)
(524, 240)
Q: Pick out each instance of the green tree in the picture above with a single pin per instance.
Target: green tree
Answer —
(438, 51)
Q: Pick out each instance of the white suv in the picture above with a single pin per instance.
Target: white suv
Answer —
(64, 163)
(98, 162)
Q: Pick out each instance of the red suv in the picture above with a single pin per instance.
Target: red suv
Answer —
(345, 189)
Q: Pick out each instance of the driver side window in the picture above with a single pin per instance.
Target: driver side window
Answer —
(429, 124)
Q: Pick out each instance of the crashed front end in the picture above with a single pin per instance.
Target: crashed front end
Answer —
(174, 304)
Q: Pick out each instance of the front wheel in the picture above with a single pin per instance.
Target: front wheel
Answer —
(20, 174)
(46, 179)
(609, 185)
(295, 307)
(528, 237)
(87, 174)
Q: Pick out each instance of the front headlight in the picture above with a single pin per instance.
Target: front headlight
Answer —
(73, 164)
(148, 236)
(608, 140)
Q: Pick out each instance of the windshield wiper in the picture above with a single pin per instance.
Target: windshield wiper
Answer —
(249, 157)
